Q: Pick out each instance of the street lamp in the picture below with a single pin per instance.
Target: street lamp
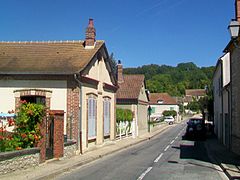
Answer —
(149, 114)
(234, 31)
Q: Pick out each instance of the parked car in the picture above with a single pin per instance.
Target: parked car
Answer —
(169, 119)
(195, 128)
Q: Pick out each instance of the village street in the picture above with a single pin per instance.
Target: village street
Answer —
(166, 156)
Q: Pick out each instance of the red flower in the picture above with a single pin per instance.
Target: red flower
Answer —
(10, 122)
(30, 112)
(18, 148)
(23, 135)
(23, 101)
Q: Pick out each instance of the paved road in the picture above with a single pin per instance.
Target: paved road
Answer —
(165, 156)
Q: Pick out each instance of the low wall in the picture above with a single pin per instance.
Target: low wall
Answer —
(17, 160)
(70, 148)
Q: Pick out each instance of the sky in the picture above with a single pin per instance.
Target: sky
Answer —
(137, 32)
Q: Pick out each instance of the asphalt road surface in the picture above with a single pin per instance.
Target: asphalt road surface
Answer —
(166, 156)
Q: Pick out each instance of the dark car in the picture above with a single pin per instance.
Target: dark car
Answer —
(195, 128)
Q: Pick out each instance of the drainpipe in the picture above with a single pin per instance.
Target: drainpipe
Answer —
(80, 114)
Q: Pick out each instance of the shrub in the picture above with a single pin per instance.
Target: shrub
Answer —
(124, 115)
(170, 113)
(27, 128)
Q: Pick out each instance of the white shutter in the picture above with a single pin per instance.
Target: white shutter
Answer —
(91, 117)
(106, 116)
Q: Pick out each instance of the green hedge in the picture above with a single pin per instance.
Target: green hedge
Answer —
(124, 115)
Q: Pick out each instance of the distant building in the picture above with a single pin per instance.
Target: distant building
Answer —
(193, 94)
(132, 94)
(161, 102)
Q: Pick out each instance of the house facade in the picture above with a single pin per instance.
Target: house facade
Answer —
(161, 102)
(73, 76)
(194, 94)
(132, 95)
(230, 89)
(221, 92)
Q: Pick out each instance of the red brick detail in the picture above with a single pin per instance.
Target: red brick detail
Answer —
(72, 113)
(237, 10)
(58, 134)
(17, 103)
(120, 73)
(90, 34)
(42, 142)
(32, 92)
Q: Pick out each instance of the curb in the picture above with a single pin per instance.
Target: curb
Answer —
(224, 167)
(91, 159)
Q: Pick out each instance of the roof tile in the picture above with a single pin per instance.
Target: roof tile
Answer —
(130, 88)
(164, 97)
(56, 57)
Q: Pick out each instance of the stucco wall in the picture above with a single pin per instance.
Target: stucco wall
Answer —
(226, 69)
(142, 94)
(162, 107)
(142, 119)
(217, 101)
(58, 95)
(100, 73)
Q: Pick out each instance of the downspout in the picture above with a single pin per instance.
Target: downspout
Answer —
(80, 114)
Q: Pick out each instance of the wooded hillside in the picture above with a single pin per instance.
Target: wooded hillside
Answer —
(174, 80)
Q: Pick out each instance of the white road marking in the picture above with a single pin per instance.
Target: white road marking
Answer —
(172, 142)
(176, 137)
(166, 148)
(159, 157)
(144, 174)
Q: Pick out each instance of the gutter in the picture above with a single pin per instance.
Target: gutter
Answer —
(80, 114)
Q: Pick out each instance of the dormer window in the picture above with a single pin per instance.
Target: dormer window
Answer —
(160, 101)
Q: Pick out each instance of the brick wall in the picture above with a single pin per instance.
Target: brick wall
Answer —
(72, 113)
(58, 137)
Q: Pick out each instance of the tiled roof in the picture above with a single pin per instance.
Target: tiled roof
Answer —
(165, 98)
(195, 92)
(56, 57)
(130, 88)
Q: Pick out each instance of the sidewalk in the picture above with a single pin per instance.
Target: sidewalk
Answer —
(52, 168)
(228, 161)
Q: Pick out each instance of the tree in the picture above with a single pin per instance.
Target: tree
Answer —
(174, 80)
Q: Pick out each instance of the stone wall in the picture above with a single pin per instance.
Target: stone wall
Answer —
(17, 160)
(69, 149)
(235, 103)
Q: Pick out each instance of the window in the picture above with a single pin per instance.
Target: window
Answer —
(34, 99)
(92, 116)
(160, 101)
(153, 110)
(106, 116)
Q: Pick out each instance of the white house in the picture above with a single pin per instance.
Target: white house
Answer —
(161, 102)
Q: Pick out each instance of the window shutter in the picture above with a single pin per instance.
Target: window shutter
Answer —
(106, 117)
(91, 117)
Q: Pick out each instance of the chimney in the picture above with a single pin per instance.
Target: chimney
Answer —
(90, 35)
(119, 72)
(237, 10)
